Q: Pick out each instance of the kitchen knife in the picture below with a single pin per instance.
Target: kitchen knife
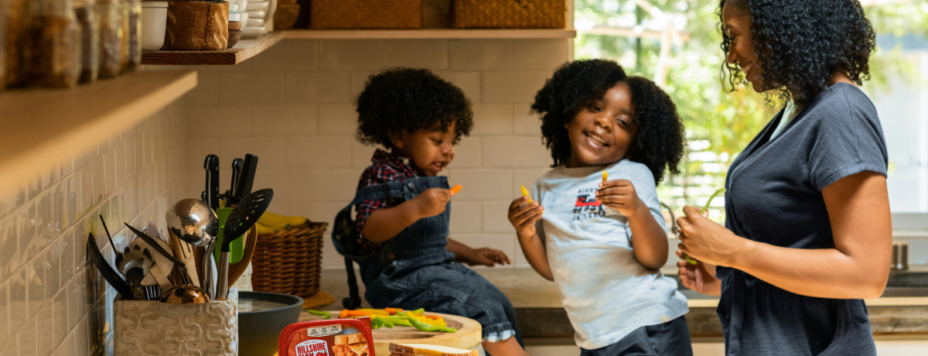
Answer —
(247, 177)
(212, 180)
(236, 171)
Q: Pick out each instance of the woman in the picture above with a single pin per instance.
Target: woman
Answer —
(807, 233)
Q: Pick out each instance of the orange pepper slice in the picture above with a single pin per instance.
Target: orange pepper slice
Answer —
(455, 189)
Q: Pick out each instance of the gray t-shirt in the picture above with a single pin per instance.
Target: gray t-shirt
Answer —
(606, 292)
(775, 196)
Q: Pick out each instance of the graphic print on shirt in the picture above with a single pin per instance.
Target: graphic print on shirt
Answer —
(586, 205)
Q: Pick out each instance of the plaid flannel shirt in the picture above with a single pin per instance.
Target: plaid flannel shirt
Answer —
(385, 167)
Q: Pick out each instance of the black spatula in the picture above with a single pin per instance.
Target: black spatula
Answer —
(108, 273)
(240, 220)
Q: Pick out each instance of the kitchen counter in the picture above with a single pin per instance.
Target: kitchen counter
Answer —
(902, 310)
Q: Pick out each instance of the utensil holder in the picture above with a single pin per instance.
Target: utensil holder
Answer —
(147, 327)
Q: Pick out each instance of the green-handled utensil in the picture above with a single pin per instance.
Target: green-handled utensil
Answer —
(240, 220)
(236, 247)
(703, 211)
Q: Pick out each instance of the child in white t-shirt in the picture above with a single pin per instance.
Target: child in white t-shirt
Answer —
(603, 241)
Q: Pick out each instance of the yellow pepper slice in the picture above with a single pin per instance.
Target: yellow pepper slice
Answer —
(605, 176)
(525, 193)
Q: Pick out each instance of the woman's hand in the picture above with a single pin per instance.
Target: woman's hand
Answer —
(523, 215)
(707, 241)
(699, 277)
(487, 257)
(432, 202)
(620, 195)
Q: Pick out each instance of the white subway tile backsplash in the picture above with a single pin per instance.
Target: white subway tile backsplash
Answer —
(27, 339)
(495, 216)
(319, 152)
(251, 88)
(318, 87)
(465, 217)
(4, 312)
(59, 323)
(284, 120)
(514, 151)
(512, 86)
(271, 151)
(467, 153)
(361, 154)
(481, 184)
(324, 184)
(481, 54)
(337, 119)
(524, 122)
(214, 120)
(358, 81)
(431, 54)
(492, 119)
(544, 54)
(288, 55)
(350, 54)
(199, 148)
(469, 82)
(207, 89)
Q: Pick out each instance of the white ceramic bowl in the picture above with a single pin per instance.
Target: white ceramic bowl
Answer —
(233, 8)
(154, 22)
(257, 14)
(235, 17)
(253, 32)
(258, 6)
(255, 23)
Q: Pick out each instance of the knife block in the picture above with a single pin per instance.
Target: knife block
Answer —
(149, 327)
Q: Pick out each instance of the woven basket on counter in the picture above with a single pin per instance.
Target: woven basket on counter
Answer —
(289, 261)
(346, 14)
(508, 13)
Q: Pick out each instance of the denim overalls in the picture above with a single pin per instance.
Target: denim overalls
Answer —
(415, 270)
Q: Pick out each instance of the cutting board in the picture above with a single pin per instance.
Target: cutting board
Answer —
(469, 333)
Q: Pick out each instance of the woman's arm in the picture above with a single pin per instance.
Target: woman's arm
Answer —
(648, 237)
(857, 268)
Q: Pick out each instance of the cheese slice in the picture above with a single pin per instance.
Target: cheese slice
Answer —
(428, 350)
(349, 339)
(359, 349)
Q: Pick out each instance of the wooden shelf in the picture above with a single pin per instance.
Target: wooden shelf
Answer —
(243, 50)
(247, 49)
(434, 33)
(41, 127)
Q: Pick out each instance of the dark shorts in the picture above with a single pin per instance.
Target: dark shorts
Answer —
(668, 339)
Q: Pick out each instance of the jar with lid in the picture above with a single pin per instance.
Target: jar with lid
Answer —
(133, 13)
(54, 45)
(90, 40)
(109, 17)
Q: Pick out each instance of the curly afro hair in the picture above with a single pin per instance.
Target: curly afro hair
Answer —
(404, 99)
(658, 143)
(801, 43)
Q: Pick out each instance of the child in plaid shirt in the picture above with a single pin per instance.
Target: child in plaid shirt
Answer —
(403, 208)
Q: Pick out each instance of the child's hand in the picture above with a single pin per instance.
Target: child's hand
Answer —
(488, 257)
(432, 202)
(620, 195)
(699, 277)
(523, 215)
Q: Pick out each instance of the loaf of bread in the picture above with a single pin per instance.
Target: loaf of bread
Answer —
(428, 350)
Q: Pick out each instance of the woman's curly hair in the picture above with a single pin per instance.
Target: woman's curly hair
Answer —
(404, 99)
(801, 43)
(658, 143)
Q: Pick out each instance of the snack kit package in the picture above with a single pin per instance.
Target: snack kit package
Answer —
(337, 337)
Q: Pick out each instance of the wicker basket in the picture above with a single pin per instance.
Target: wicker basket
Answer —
(331, 14)
(508, 13)
(289, 262)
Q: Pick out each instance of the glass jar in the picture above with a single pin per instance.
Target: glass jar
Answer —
(109, 18)
(17, 16)
(54, 45)
(134, 57)
(3, 7)
(90, 40)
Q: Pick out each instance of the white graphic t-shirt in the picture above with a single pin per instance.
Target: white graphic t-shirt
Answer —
(606, 292)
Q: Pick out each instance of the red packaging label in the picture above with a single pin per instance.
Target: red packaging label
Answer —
(340, 337)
